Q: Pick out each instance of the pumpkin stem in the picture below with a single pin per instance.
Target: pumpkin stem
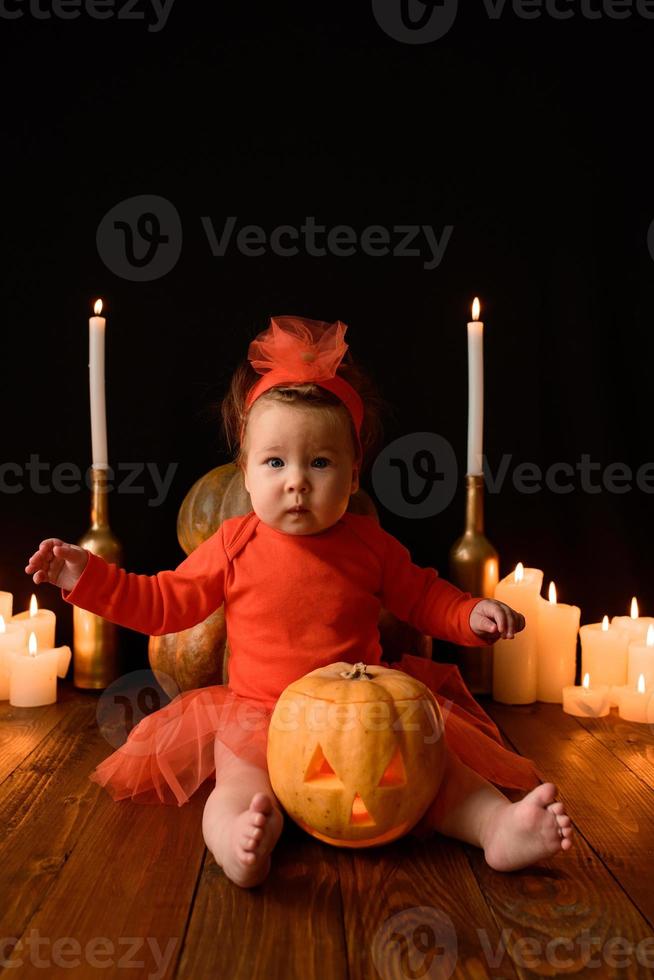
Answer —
(358, 673)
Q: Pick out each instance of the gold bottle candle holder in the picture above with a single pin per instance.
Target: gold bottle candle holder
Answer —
(95, 640)
(474, 567)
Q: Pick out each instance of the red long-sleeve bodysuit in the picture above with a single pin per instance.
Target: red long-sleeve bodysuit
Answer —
(292, 603)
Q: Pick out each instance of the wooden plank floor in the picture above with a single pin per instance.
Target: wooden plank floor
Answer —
(95, 888)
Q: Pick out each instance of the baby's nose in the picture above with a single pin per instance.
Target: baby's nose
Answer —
(298, 480)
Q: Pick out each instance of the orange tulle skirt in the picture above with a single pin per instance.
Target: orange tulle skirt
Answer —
(170, 752)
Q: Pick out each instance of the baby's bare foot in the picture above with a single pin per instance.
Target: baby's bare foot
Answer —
(517, 834)
(252, 836)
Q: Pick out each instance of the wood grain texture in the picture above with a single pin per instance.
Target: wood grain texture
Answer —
(612, 808)
(133, 887)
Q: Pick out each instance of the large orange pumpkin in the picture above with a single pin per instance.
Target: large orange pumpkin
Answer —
(356, 753)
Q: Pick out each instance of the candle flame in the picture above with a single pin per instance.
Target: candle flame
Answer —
(34, 606)
(650, 636)
(605, 623)
(3, 628)
(519, 572)
(634, 608)
(641, 684)
(32, 644)
(476, 308)
(586, 681)
(97, 307)
(552, 593)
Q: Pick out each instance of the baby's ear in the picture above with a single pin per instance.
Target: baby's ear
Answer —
(355, 479)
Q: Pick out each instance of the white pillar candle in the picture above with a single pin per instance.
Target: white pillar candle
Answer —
(641, 660)
(39, 621)
(604, 654)
(636, 703)
(33, 674)
(97, 325)
(558, 625)
(475, 391)
(586, 701)
(634, 624)
(6, 605)
(514, 661)
(13, 638)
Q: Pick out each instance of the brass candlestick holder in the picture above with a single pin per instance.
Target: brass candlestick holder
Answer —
(474, 567)
(95, 640)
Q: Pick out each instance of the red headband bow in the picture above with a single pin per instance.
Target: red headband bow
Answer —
(293, 349)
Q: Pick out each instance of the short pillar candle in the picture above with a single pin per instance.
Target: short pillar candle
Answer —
(585, 701)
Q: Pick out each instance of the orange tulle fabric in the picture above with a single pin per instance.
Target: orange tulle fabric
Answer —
(306, 350)
(170, 753)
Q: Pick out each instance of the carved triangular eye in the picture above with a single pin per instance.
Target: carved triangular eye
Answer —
(395, 773)
(319, 770)
(360, 815)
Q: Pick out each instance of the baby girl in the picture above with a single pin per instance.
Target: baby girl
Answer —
(303, 579)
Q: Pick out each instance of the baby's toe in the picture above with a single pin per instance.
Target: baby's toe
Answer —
(563, 820)
(261, 804)
(556, 807)
(544, 794)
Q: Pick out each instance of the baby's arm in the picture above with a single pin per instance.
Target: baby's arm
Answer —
(419, 596)
(167, 602)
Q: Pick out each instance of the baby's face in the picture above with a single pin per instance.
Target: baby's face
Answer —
(298, 457)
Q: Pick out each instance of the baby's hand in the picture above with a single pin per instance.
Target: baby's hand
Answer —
(491, 620)
(58, 563)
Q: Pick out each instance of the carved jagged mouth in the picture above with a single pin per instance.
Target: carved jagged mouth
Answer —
(322, 773)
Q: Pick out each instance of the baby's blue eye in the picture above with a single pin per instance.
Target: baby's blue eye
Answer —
(273, 459)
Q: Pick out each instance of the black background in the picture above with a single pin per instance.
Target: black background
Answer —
(530, 137)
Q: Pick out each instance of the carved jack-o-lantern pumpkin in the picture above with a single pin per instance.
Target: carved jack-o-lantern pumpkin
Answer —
(356, 754)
